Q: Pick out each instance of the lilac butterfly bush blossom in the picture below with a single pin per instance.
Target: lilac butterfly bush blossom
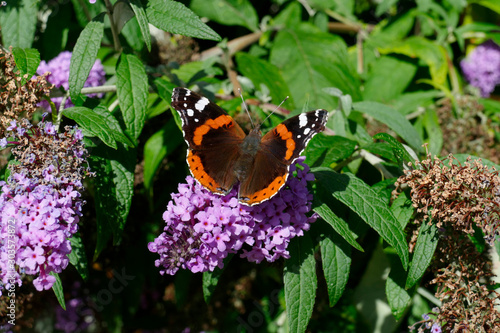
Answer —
(59, 75)
(40, 204)
(202, 228)
(79, 315)
(482, 67)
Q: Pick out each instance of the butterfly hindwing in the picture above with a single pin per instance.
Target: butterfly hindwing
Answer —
(279, 148)
(213, 139)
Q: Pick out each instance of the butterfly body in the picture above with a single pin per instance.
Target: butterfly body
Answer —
(220, 155)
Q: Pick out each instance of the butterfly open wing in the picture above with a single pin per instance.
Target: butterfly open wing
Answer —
(279, 148)
(213, 140)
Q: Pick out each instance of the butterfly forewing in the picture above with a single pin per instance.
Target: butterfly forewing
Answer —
(213, 140)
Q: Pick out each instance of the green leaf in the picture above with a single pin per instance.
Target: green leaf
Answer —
(77, 256)
(158, 146)
(18, 22)
(176, 18)
(261, 72)
(156, 106)
(470, 30)
(365, 202)
(383, 149)
(369, 295)
(92, 124)
(142, 20)
(433, 54)
(338, 224)
(85, 10)
(491, 4)
(398, 149)
(490, 106)
(165, 89)
(300, 283)
(58, 290)
(398, 297)
(379, 85)
(122, 13)
(402, 208)
(433, 129)
(392, 118)
(228, 12)
(410, 102)
(324, 150)
(308, 57)
(422, 255)
(343, 7)
(83, 57)
(114, 126)
(211, 279)
(395, 30)
(132, 89)
(114, 183)
(131, 32)
(290, 16)
(384, 6)
(194, 71)
(27, 61)
(336, 260)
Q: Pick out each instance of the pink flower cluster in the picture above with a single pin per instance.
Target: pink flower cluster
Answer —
(40, 203)
(202, 228)
(36, 224)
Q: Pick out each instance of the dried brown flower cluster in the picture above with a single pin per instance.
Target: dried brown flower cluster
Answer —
(39, 152)
(18, 100)
(25, 304)
(458, 195)
(462, 275)
(469, 132)
(458, 198)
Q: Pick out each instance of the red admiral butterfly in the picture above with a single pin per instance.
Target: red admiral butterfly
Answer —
(220, 154)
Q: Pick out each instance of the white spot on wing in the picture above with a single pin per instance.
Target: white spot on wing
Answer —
(190, 112)
(302, 120)
(299, 136)
(200, 105)
(185, 105)
(188, 93)
(196, 120)
(307, 130)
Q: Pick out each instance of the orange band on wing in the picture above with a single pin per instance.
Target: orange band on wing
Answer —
(286, 135)
(266, 193)
(199, 173)
(208, 125)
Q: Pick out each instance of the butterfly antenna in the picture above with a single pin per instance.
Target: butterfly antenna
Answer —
(246, 108)
(283, 101)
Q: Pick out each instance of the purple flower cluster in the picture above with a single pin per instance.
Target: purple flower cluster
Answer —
(77, 317)
(40, 203)
(36, 224)
(202, 228)
(428, 324)
(59, 75)
(482, 67)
